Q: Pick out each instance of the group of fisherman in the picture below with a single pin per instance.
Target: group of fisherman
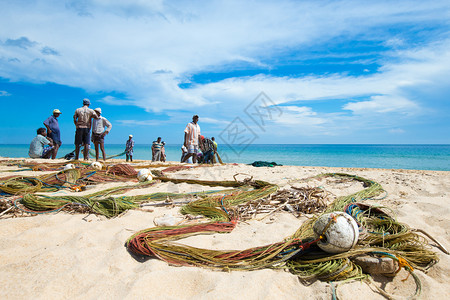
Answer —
(196, 147)
(48, 140)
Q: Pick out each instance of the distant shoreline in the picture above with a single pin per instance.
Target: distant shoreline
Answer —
(410, 157)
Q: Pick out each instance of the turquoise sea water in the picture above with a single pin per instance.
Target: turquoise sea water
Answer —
(418, 157)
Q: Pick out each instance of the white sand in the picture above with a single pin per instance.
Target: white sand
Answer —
(75, 256)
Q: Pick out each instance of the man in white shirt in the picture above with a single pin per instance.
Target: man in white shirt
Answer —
(100, 128)
(191, 139)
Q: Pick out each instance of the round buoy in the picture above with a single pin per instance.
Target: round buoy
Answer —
(339, 231)
(144, 175)
(69, 167)
(96, 165)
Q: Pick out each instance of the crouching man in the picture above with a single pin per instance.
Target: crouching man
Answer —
(41, 146)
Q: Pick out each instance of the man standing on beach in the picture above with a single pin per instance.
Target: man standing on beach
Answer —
(51, 123)
(157, 150)
(41, 146)
(100, 128)
(82, 120)
(129, 148)
(191, 139)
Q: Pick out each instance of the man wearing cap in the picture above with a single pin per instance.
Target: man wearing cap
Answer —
(191, 139)
(82, 120)
(129, 148)
(51, 123)
(100, 128)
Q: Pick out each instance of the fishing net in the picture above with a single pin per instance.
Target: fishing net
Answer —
(383, 236)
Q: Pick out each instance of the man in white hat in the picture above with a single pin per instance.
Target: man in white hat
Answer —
(100, 127)
(129, 148)
(51, 123)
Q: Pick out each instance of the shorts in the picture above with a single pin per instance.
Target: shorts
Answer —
(207, 156)
(55, 138)
(98, 138)
(46, 151)
(82, 136)
(193, 149)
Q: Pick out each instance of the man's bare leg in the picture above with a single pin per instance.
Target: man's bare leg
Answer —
(77, 152)
(96, 150)
(86, 152)
(102, 147)
(55, 150)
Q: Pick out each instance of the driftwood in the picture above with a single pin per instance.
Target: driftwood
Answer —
(295, 200)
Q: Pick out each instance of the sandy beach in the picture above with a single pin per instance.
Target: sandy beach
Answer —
(83, 256)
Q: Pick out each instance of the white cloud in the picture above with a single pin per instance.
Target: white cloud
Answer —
(133, 123)
(396, 131)
(214, 121)
(4, 94)
(144, 49)
(383, 104)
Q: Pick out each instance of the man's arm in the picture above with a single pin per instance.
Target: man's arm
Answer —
(108, 126)
(94, 114)
(47, 125)
(75, 117)
(51, 143)
(185, 139)
(48, 128)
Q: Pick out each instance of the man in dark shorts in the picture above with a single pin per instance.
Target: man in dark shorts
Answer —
(82, 120)
(100, 128)
(129, 148)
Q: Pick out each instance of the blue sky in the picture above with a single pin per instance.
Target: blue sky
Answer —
(326, 72)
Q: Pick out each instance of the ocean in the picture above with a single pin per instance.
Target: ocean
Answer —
(415, 157)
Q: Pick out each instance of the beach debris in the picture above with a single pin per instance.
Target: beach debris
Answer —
(69, 167)
(338, 232)
(376, 265)
(167, 220)
(306, 200)
(439, 245)
(96, 165)
(144, 175)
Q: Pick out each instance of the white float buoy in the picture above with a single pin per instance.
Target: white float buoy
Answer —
(96, 165)
(339, 230)
(144, 175)
(69, 167)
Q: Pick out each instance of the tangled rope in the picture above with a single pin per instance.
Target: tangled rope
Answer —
(382, 234)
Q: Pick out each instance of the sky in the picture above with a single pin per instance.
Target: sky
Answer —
(290, 72)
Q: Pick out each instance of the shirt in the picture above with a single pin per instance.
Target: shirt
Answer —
(98, 125)
(37, 146)
(84, 116)
(52, 123)
(129, 147)
(157, 146)
(207, 145)
(193, 132)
